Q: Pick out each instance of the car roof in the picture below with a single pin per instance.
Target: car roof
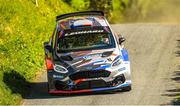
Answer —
(81, 21)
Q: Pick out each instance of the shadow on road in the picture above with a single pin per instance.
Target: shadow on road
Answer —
(39, 91)
(16, 83)
(175, 93)
(19, 85)
(178, 46)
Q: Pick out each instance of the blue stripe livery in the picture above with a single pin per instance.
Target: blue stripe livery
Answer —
(125, 54)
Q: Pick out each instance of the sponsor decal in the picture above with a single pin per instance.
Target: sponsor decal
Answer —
(121, 69)
(84, 32)
(92, 55)
(58, 76)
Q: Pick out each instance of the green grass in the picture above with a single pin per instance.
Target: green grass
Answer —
(23, 29)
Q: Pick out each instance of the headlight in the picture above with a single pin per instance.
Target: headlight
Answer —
(60, 69)
(117, 62)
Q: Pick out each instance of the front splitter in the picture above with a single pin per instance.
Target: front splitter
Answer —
(88, 90)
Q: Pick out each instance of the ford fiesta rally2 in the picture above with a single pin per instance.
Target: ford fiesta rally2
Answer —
(85, 55)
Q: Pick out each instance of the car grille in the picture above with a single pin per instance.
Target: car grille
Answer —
(89, 74)
(90, 85)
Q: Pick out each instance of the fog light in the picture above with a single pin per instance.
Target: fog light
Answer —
(60, 69)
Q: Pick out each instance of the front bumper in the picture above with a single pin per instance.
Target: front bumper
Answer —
(118, 78)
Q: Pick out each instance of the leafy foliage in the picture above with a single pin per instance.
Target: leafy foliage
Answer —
(103, 5)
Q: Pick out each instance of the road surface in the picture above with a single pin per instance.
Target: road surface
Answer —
(155, 57)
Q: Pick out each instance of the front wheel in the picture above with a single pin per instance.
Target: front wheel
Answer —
(128, 88)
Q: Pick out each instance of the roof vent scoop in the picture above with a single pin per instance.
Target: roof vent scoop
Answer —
(80, 23)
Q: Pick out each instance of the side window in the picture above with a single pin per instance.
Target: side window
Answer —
(116, 37)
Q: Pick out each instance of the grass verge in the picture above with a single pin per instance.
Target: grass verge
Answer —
(23, 29)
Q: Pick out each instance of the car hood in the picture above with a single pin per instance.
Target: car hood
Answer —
(90, 59)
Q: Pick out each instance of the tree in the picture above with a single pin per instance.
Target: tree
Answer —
(101, 5)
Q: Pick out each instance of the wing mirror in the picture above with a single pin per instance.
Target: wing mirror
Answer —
(47, 47)
(121, 40)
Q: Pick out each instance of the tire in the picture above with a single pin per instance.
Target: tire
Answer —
(48, 87)
(48, 90)
(128, 88)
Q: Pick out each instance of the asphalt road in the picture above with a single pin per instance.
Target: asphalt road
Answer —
(154, 51)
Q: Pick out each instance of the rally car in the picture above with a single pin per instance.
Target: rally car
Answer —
(85, 55)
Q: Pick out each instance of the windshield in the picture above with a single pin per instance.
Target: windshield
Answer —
(84, 41)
